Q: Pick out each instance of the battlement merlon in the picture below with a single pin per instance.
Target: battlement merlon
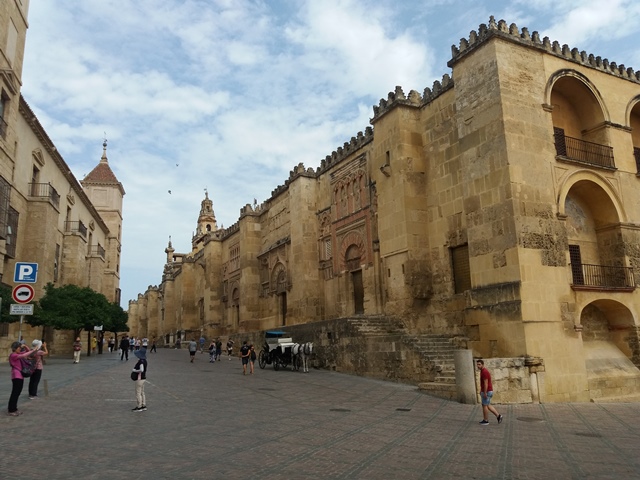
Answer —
(414, 100)
(522, 37)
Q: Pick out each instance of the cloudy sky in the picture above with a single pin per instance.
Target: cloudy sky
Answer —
(229, 95)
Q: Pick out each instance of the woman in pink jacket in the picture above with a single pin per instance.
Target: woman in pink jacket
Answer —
(18, 352)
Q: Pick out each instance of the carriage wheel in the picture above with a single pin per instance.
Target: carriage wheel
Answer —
(276, 364)
(262, 359)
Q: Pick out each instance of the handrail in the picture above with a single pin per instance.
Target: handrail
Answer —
(602, 276)
(582, 151)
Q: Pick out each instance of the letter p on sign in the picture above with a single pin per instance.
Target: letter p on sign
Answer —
(25, 272)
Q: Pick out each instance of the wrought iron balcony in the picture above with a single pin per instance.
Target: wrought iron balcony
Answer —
(96, 250)
(581, 151)
(636, 154)
(602, 277)
(76, 227)
(46, 191)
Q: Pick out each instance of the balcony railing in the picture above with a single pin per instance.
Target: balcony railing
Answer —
(602, 277)
(636, 153)
(96, 250)
(582, 151)
(45, 190)
(76, 227)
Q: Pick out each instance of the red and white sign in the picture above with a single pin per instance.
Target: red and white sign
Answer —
(23, 293)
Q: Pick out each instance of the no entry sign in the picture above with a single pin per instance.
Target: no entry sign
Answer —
(23, 293)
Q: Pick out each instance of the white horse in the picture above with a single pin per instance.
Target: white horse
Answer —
(300, 353)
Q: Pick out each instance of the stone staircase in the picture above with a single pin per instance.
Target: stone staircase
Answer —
(438, 350)
(435, 352)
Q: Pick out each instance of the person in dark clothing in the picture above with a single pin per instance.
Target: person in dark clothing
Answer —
(124, 348)
(140, 374)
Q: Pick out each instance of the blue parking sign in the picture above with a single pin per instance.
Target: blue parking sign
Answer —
(25, 272)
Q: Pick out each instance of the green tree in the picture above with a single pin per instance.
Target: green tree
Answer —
(70, 307)
(118, 319)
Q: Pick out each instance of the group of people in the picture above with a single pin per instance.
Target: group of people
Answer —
(20, 355)
(247, 352)
(215, 350)
(135, 345)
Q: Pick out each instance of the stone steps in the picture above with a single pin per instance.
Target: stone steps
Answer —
(631, 398)
(438, 389)
(434, 349)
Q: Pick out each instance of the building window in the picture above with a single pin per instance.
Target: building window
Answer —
(5, 197)
(327, 249)
(234, 258)
(56, 262)
(575, 258)
(461, 269)
(12, 232)
(4, 107)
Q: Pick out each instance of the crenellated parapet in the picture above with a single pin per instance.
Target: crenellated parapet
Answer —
(347, 149)
(227, 232)
(533, 40)
(413, 100)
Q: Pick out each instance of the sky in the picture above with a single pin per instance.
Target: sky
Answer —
(228, 96)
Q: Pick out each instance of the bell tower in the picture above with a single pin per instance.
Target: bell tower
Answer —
(106, 194)
(206, 222)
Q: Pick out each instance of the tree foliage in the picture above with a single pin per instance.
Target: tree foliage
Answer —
(70, 307)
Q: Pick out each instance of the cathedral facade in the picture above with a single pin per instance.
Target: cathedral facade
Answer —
(500, 206)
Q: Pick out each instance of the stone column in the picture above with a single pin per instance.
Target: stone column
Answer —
(465, 377)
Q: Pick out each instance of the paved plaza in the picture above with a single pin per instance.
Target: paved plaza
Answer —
(208, 421)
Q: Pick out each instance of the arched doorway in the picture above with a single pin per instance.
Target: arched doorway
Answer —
(596, 248)
(235, 307)
(611, 350)
(281, 291)
(353, 264)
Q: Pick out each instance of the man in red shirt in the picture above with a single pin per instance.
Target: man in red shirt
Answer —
(486, 392)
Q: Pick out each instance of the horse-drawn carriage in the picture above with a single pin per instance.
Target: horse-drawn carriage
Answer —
(276, 350)
(279, 350)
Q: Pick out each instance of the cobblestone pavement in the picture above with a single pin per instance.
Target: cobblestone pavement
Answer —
(208, 421)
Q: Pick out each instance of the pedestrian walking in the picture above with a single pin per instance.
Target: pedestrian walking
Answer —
(132, 343)
(112, 344)
(212, 352)
(139, 375)
(193, 348)
(94, 344)
(229, 348)
(153, 345)
(202, 340)
(40, 349)
(77, 348)
(124, 348)
(18, 352)
(218, 349)
(244, 355)
(486, 393)
(252, 358)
